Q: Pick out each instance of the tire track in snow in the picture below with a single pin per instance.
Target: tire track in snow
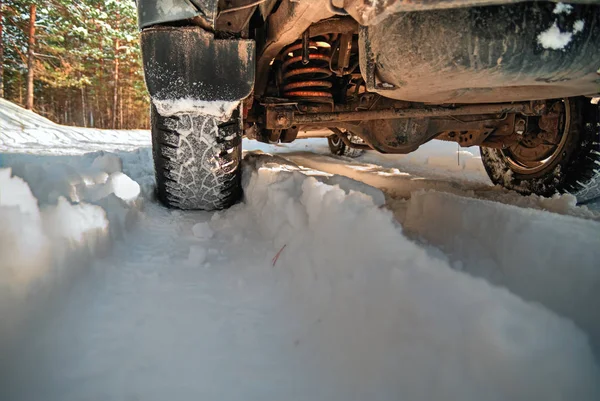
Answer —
(495, 234)
(353, 310)
(540, 256)
(148, 323)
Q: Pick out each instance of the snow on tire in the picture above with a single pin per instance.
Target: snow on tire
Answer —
(575, 170)
(197, 160)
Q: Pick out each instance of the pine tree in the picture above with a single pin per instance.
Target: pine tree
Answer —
(1, 49)
(86, 63)
(30, 56)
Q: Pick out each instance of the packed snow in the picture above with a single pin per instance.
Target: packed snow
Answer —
(555, 39)
(560, 8)
(383, 277)
(217, 108)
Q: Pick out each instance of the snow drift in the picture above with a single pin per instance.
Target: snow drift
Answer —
(540, 256)
(386, 318)
(55, 217)
(24, 131)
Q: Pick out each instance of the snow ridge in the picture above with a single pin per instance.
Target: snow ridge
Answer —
(379, 299)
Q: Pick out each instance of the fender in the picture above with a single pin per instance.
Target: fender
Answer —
(189, 64)
(155, 12)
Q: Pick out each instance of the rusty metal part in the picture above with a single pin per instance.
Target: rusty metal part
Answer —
(520, 126)
(387, 112)
(316, 72)
(403, 130)
(373, 138)
(273, 135)
(304, 84)
(335, 8)
(473, 133)
(305, 45)
(314, 107)
(288, 23)
(341, 25)
(289, 135)
(466, 138)
(344, 52)
(542, 142)
(406, 135)
(550, 123)
(393, 113)
(311, 57)
(295, 94)
(301, 72)
(296, 46)
(278, 118)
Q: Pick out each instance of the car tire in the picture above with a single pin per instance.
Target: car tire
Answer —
(339, 148)
(197, 160)
(574, 169)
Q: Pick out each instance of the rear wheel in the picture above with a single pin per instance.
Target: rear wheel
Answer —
(339, 148)
(566, 161)
(197, 160)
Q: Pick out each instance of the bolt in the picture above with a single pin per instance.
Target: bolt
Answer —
(520, 126)
(281, 119)
(538, 106)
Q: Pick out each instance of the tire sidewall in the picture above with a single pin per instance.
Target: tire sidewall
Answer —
(336, 145)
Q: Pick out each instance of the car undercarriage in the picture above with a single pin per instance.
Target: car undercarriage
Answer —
(518, 79)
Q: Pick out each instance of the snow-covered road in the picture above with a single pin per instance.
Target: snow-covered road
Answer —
(383, 278)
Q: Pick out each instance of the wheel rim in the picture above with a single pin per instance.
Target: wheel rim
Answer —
(527, 160)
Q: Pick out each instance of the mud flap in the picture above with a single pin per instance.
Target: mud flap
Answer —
(189, 63)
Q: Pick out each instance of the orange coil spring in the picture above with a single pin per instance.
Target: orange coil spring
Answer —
(307, 82)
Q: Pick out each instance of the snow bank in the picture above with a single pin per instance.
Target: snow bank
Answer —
(348, 185)
(387, 319)
(434, 172)
(55, 216)
(26, 132)
(540, 256)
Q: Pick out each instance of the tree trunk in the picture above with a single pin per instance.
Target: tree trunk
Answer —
(20, 87)
(128, 98)
(116, 88)
(121, 108)
(30, 58)
(1, 50)
(98, 109)
(83, 105)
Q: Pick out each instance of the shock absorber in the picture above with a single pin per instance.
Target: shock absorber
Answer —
(305, 71)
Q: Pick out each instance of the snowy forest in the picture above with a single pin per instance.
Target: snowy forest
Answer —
(74, 62)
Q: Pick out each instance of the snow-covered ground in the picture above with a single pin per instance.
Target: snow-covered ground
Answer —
(383, 278)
